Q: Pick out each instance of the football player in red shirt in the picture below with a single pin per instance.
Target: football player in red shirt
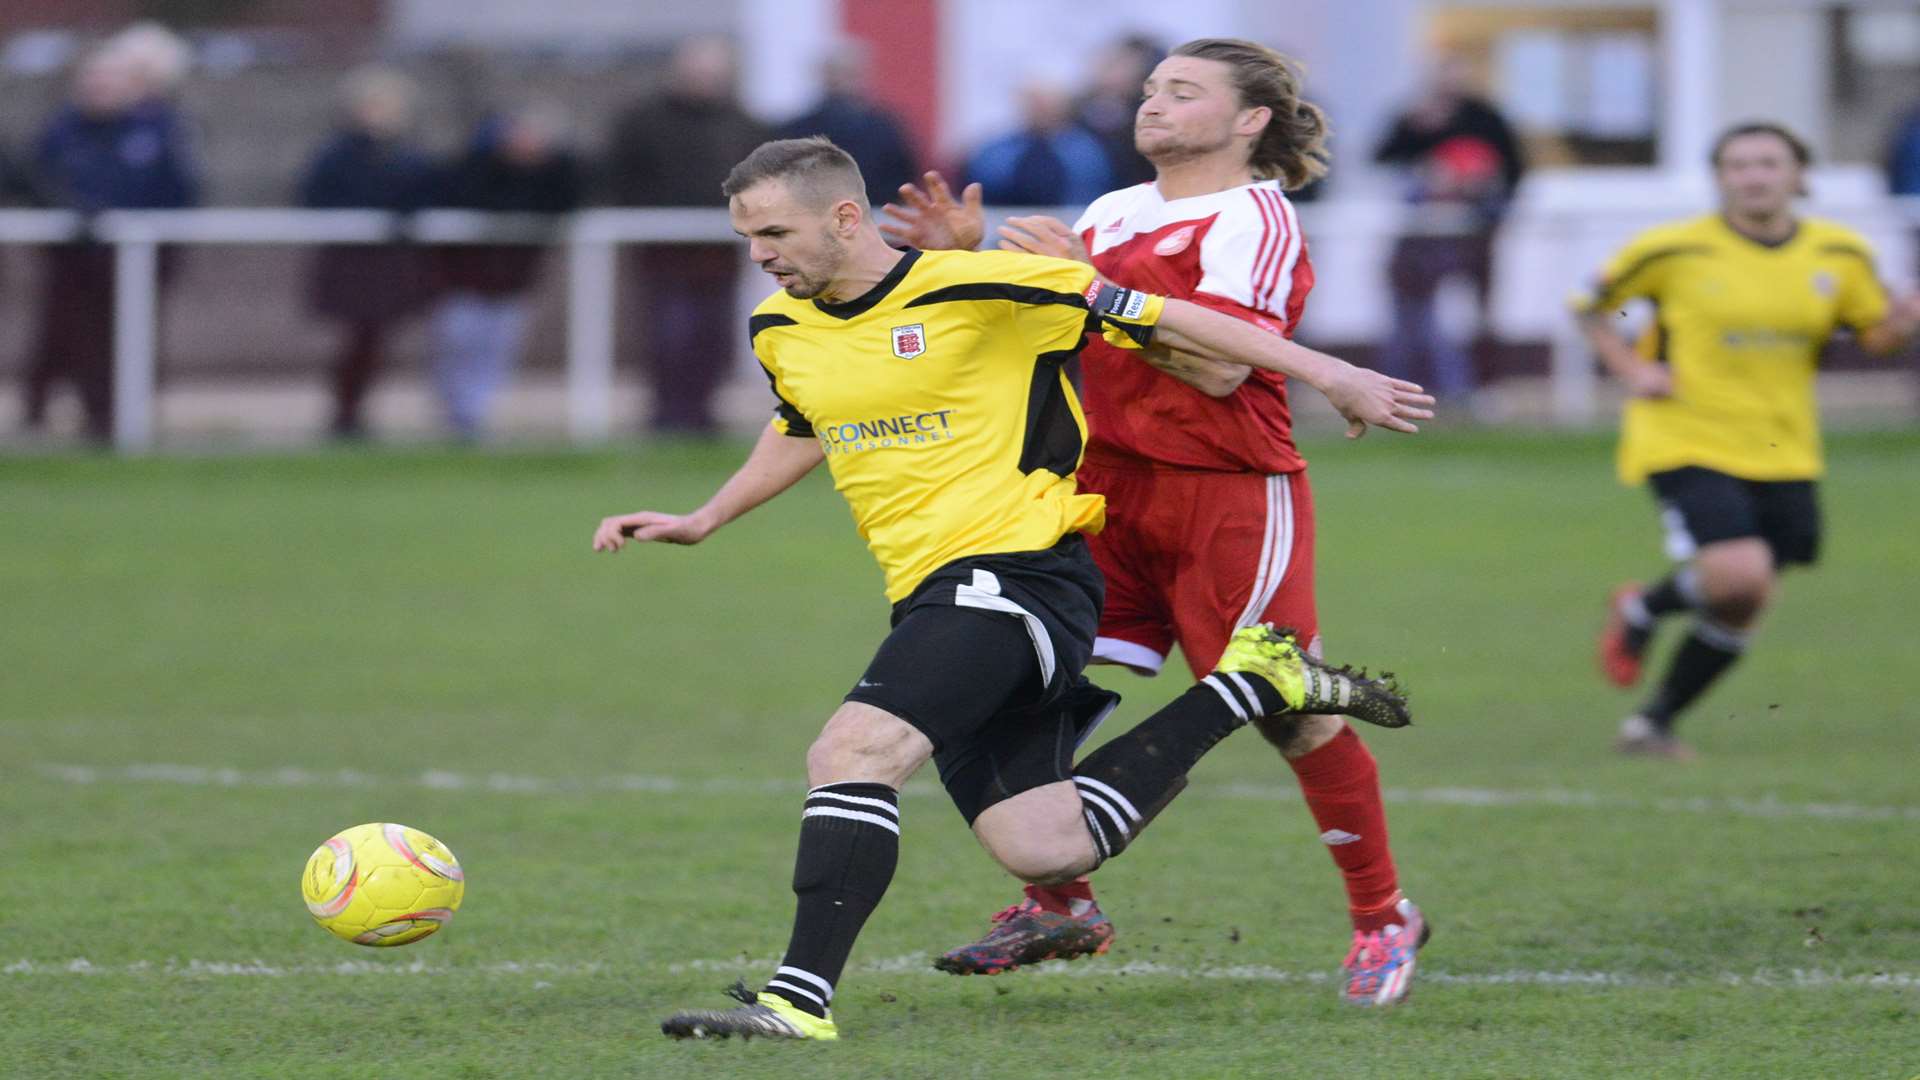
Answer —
(1210, 515)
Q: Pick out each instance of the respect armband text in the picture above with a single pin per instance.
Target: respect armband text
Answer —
(1114, 302)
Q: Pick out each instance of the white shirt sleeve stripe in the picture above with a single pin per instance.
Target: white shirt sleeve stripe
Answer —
(1266, 274)
(1269, 242)
(1282, 290)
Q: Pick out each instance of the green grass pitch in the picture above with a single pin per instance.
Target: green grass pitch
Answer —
(209, 665)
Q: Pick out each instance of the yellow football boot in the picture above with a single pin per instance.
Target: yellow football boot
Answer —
(767, 1015)
(1309, 686)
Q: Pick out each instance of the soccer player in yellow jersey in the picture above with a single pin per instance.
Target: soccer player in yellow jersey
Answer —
(1721, 418)
(931, 385)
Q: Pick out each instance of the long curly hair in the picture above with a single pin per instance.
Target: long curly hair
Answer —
(1293, 146)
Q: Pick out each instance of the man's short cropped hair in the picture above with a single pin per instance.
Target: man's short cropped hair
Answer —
(814, 169)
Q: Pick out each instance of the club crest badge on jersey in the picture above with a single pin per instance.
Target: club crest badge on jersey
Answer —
(1824, 284)
(909, 341)
(1174, 242)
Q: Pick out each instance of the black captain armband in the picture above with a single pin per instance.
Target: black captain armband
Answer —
(1109, 301)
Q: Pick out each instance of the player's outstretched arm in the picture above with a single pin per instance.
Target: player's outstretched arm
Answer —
(1214, 378)
(1363, 396)
(1039, 234)
(777, 463)
(931, 219)
(1892, 333)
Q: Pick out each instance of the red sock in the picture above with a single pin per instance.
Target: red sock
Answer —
(1341, 784)
(1059, 898)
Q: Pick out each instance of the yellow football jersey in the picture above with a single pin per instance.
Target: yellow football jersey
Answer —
(1741, 324)
(940, 400)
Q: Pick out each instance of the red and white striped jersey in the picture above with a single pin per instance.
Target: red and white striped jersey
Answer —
(1239, 251)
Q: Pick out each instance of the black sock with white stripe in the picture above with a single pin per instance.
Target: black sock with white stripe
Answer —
(1130, 779)
(849, 845)
(1701, 659)
(1678, 591)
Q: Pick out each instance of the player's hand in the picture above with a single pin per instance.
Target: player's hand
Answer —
(647, 525)
(1367, 398)
(931, 220)
(1039, 234)
(1905, 314)
(1648, 380)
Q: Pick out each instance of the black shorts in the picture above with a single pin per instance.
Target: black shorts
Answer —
(986, 660)
(1701, 507)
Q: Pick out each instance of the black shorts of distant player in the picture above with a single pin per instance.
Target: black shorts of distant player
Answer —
(960, 666)
(1701, 506)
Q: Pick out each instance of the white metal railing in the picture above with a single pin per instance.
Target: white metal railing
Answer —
(1545, 252)
(590, 238)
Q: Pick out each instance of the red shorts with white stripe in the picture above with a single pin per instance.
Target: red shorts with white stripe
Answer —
(1190, 557)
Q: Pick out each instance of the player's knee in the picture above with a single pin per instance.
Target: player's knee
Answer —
(1038, 836)
(862, 743)
(1734, 569)
(1736, 580)
(823, 759)
(1738, 594)
(1741, 608)
(1048, 864)
(836, 758)
(1062, 872)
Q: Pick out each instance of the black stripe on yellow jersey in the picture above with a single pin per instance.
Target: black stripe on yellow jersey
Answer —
(940, 400)
(1618, 288)
(796, 424)
(1742, 324)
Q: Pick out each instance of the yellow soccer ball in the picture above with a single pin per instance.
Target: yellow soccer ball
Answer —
(382, 884)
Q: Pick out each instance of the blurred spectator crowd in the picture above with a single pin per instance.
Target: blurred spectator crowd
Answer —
(121, 140)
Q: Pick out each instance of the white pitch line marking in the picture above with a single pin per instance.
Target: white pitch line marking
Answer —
(1765, 807)
(916, 964)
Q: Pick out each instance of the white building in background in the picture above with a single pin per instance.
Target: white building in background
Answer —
(1617, 102)
(1693, 63)
(1686, 65)
(519, 22)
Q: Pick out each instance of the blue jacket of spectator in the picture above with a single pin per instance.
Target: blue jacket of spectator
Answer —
(1903, 156)
(136, 160)
(354, 170)
(1067, 167)
(483, 179)
(366, 283)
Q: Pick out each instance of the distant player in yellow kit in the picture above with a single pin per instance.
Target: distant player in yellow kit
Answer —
(1722, 420)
